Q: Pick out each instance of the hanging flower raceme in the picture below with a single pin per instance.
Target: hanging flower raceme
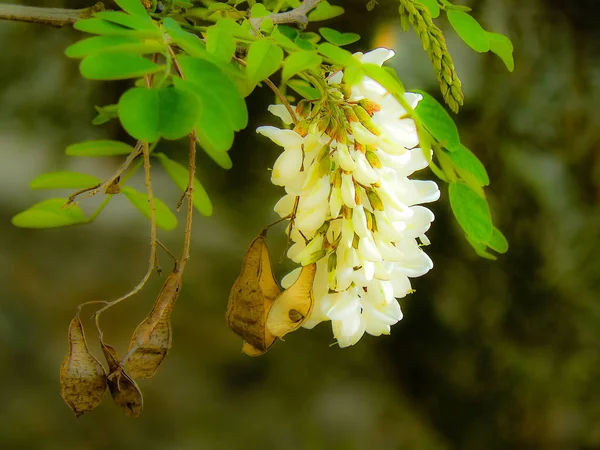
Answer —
(354, 211)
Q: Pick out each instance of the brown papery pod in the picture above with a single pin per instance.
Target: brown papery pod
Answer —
(152, 339)
(123, 389)
(291, 309)
(251, 298)
(82, 377)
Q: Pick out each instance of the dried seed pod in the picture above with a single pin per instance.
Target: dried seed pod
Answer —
(294, 305)
(251, 298)
(82, 377)
(152, 339)
(124, 390)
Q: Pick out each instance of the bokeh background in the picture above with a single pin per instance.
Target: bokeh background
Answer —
(490, 355)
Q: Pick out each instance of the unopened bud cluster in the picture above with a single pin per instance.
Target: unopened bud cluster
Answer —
(353, 209)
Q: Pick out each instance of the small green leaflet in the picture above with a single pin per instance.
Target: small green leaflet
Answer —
(337, 38)
(215, 89)
(438, 122)
(180, 175)
(498, 242)
(105, 114)
(148, 114)
(221, 158)
(325, 11)
(99, 148)
(466, 162)
(116, 66)
(259, 10)
(220, 43)
(337, 55)
(103, 27)
(469, 30)
(503, 47)
(189, 43)
(471, 211)
(138, 23)
(49, 214)
(304, 89)
(165, 218)
(300, 62)
(305, 45)
(133, 7)
(126, 43)
(64, 180)
(433, 7)
(264, 58)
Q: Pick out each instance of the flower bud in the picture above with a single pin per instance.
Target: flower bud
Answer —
(365, 119)
(373, 160)
(370, 106)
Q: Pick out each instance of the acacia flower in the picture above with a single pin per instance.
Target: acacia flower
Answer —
(346, 167)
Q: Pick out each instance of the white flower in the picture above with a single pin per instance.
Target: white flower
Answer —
(356, 204)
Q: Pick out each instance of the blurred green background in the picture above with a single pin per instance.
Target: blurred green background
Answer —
(490, 355)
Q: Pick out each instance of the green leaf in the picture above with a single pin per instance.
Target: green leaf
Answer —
(503, 47)
(300, 62)
(217, 92)
(220, 43)
(99, 26)
(471, 211)
(310, 37)
(325, 11)
(498, 242)
(140, 23)
(126, 43)
(259, 10)
(105, 114)
(469, 30)
(49, 214)
(220, 157)
(433, 7)
(283, 40)
(64, 180)
(180, 175)
(116, 66)
(466, 162)
(165, 218)
(264, 58)
(189, 43)
(304, 88)
(337, 55)
(99, 148)
(148, 114)
(481, 249)
(305, 45)
(388, 80)
(134, 7)
(438, 122)
(337, 38)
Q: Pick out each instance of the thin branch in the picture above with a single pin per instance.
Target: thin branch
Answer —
(137, 151)
(297, 15)
(189, 192)
(57, 17)
(151, 259)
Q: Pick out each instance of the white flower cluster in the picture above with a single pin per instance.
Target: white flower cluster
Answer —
(345, 174)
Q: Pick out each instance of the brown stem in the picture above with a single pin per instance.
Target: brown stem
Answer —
(56, 17)
(297, 16)
(189, 192)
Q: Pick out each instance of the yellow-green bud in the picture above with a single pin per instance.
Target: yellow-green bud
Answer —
(373, 160)
(375, 200)
(365, 119)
